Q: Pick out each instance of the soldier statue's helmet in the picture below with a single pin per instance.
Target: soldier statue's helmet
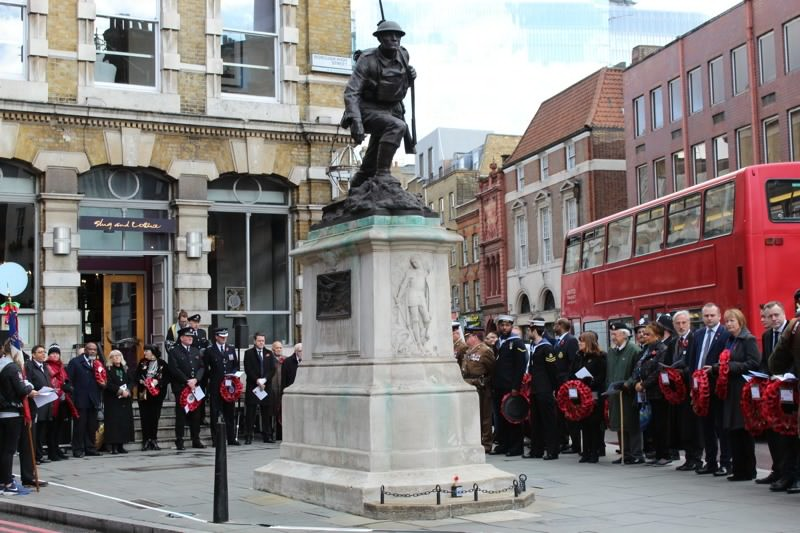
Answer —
(387, 26)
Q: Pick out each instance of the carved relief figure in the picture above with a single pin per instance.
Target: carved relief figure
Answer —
(412, 309)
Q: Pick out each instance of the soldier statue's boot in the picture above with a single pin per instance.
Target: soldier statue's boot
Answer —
(384, 160)
(360, 177)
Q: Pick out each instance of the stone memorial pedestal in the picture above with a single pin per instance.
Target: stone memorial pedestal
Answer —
(379, 399)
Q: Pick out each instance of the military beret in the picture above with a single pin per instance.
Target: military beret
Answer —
(620, 326)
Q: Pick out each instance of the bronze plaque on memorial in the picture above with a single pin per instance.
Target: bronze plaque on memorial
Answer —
(333, 295)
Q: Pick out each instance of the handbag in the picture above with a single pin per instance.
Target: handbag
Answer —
(645, 414)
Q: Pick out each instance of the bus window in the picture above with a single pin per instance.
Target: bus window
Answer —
(572, 257)
(719, 211)
(619, 239)
(684, 221)
(783, 200)
(593, 247)
(600, 329)
(649, 231)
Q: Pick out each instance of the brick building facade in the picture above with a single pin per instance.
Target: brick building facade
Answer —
(166, 155)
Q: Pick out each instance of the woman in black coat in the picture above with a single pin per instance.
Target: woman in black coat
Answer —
(118, 411)
(744, 357)
(154, 368)
(646, 374)
(592, 427)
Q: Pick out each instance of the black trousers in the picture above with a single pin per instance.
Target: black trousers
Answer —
(743, 453)
(54, 428)
(193, 417)
(262, 409)
(544, 428)
(41, 436)
(10, 429)
(689, 435)
(591, 429)
(84, 430)
(228, 412)
(660, 426)
(509, 435)
(715, 438)
(26, 455)
(149, 415)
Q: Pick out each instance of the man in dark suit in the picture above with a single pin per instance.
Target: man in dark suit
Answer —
(566, 350)
(688, 435)
(290, 364)
(221, 361)
(186, 368)
(259, 365)
(783, 450)
(39, 376)
(86, 396)
(709, 343)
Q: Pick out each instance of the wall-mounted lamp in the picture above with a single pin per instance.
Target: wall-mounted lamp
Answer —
(194, 244)
(62, 240)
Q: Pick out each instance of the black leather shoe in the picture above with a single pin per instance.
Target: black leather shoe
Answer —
(269, 440)
(637, 461)
(688, 466)
(514, 453)
(33, 483)
(248, 441)
(62, 455)
(770, 479)
(498, 451)
(120, 449)
(57, 458)
(781, 485)
(570, 451)
(550, 457)
(198, 444)
(708, 469)
(78, 455)
(43, 460)
(234, 443)
(795, 488)
(739, 477)
(723, 471)
(617, 461)
(154, 444)
(533, 455)
(179, 445)
(92, 453)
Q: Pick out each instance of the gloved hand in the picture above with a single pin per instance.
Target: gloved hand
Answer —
(412, 72)
(357, 131)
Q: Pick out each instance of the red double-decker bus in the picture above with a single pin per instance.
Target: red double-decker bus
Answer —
(733, 240)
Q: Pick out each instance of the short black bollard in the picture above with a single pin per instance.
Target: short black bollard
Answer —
(382, 494)
(438, 490)
(522, 485)
(474, 492)
(221, 475)
(516, 488)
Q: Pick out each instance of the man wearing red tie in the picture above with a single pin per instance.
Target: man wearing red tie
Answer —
(259, 365)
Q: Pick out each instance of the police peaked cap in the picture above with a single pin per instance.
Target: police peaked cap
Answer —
(186, 332)
(221, 332)
(195, 318)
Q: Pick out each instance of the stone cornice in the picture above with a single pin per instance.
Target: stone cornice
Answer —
(177, 124)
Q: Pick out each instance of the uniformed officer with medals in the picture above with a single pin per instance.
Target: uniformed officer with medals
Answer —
(222, 361)
(477, 367)
(543, 368)
(509, 370)
(186, 368)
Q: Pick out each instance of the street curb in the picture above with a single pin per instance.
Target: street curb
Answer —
(82, 519)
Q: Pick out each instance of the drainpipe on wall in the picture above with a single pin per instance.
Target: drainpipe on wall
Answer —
(753, 78)
(688, 162)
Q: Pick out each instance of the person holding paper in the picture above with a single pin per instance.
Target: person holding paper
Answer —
(39, 376)
(221, 361)
(14, 391)
(117, 400)
(152, 377)
(260, 366)
(744, 357)
(186, 369)
(589, 366)
(645, 376)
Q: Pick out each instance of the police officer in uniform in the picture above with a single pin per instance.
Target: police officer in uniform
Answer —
(509, 369)
(477, 367)
(221, 359)
(373, 101)
(186, 367)
(543, 368)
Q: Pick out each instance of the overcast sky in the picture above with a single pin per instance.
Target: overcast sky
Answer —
(475, 65)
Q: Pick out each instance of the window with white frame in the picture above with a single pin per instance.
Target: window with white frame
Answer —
(716, 81)
(695, 90)
(741, 81)
(476, 247)
(465, 290)
(441, 212)
(454, 298)
(699, 163)
(766, 58)
(464, 253)
(772, 149)
(656, 108)
(679, 180)
(126, 37)
(570, 150)
(675, 100)
(638, 116)
(520, 177)
(721, 163)
(477, 295)
(250, 47)
(744, 146)
(453, 255)
(643, 183)
(791, 44)
(544, 166)
(13, 17)
(660, 175)
(570, 213)
(452, 200)
(546, 230)
(521, 230)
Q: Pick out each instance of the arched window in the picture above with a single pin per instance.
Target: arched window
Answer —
(524, 305)
(548, 301)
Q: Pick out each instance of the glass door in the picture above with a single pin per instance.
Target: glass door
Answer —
(123, 316)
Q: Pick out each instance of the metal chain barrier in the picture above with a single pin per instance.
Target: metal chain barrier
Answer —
(456, 491)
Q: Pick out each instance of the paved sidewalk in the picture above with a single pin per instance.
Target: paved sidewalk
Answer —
(570, 497)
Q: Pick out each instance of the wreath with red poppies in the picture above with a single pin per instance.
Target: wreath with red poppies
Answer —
(755, 421)
(606, 414)
(230, 389)
(100, 374)
(152, 387)
(575, 409)
(701, 393)
(721, 388)
(779, 420)
(526, 389)
(674, 391)
(187, 400)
